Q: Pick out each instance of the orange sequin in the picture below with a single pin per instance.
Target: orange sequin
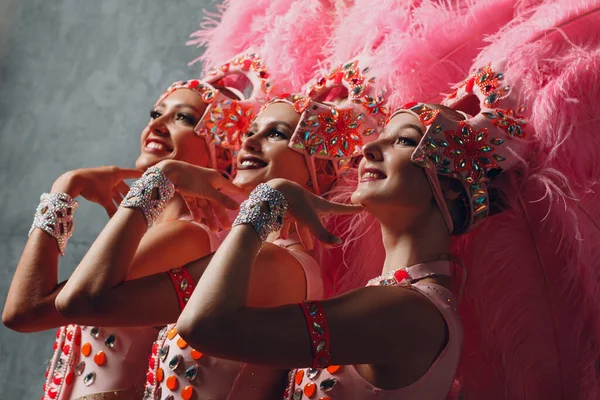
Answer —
(86, 349)
(299, 376)
(310, 389)
(160, 375)
(182, 344)
(100, 358)
(324, 398)
(196, 355)
(172, 333)
(172, 383)
(332, 369)
(187, 392)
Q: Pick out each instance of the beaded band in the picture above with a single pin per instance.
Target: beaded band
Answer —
(184, 284)
(54, 215)
(319, 333)
(150, 193)
(263, 222)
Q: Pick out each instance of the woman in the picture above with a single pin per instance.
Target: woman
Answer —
(176, 131)
(287, 140)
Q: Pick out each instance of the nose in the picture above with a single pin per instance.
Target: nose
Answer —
(252, 143)
(372, 151)
(158, 127)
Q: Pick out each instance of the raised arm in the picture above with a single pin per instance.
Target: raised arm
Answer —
(29, 305)
(367, 326)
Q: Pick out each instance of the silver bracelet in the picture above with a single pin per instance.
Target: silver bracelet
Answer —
(150, 193)
(54, 215)
(263, 222)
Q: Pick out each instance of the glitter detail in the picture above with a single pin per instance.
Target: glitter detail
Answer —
(54, 215)
(150, 193)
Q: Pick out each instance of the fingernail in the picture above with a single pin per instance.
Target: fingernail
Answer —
(336, 240)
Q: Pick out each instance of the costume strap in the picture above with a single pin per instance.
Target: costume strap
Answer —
(184, 284)
(319, 333)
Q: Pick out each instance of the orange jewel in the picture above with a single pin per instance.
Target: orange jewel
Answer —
(332, 369)
(182, 344)
(187, 392)
(299, 376)
(160, 375)
(172, 333)
(86, 349)
(100, 358)
(310, 389)
(324, 398)
(172, 383)
(196, 355)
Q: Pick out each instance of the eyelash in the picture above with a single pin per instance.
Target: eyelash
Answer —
(272, 133)
(405, 141)
(185, 117)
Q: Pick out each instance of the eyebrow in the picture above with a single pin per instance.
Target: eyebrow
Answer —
(273, 123)
(179, 106)
(412, 126)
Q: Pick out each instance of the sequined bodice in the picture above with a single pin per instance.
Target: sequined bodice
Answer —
(345, 382)
(95, 360)
(177, 371)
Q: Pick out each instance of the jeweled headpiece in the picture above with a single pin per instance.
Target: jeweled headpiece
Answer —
(335, 126)
(474, 149)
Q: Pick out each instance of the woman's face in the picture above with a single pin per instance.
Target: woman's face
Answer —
(265, 153)
(170, 133)
(389, 182)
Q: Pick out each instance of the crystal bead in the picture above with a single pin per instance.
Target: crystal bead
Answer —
(164, 352)
(110, 341)
(170, 397)
(318, 328)
(89, 378)
(191, 373)
(184, 284)
(312, 373)
(94, 332)
(297, 394)
(175, 361)
(328, 384)
(80, 368)
(321, 345)
(158, 393)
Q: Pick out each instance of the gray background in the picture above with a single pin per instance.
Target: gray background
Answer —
(77, 80)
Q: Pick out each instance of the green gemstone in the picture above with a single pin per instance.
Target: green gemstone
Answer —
(175, 361)
(328, 384)
(191, 373)
(110, 341)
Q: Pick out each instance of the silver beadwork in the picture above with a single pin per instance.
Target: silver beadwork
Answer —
(54, 215)
(263, 222)
(150, 193)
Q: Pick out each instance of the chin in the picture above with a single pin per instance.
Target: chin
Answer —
(145, 161)
(247, 180)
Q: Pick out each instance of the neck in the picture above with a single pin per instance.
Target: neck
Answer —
(175, 209)
(425, 240)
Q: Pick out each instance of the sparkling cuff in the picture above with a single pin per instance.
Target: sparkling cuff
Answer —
(54, 215)
(150, 193)
(263, 221)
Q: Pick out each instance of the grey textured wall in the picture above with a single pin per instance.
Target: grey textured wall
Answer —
(77, 79)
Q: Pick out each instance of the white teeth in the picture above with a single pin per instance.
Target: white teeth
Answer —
(249, 163)
(155, 145)
(372, 175)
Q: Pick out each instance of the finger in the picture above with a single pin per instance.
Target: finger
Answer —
(110, 207)
(117, 197)
(129, 173)
(284, 232)
(221, 214)
(208, 214)
(221, 198)
(123, 188)
(314, 224)
(193, 207)
(305, 236)
(323, 206)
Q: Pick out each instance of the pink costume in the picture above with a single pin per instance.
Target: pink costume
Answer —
(175, 369)
(345, 382)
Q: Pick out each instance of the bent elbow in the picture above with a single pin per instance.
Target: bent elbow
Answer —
(74, 305)
(14, 319)
(202, 334)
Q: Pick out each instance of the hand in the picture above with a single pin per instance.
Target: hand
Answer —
(304, 210)
(201, 190)
(102, 185)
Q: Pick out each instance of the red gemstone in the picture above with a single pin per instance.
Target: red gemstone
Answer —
(54, 346)
(52, 393)
(151, 363)
(401, 275)
(70, 335)
(66, 348)
(154, 348)
(69, 378)
(57, 379)
(469, 85)
(338, 78)
(58, 333)
(410, 104)
(193, 83)
(263, 74)
(246, 65)
(150, 377)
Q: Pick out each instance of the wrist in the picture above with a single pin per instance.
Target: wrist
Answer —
(169, 168)
(67, 183)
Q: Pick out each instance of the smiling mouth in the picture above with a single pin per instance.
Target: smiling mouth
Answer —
(154, 146)
(251, 163)
(372, 174)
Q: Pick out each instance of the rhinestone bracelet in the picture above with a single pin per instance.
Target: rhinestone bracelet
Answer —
(263, 222)
(54, 215)
(150, 193)
(319, 333)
